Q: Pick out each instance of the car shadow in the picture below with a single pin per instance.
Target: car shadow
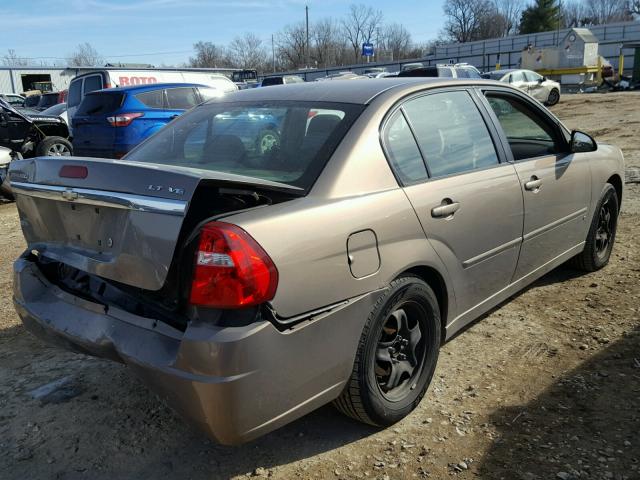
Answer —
(560, 274)
(586, 425)
(114, 427)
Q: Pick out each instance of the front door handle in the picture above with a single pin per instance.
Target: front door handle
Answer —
(447, 208)
(533, 184)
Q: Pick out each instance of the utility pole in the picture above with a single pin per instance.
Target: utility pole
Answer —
(273, 54)
(559, 19)
(306, 10)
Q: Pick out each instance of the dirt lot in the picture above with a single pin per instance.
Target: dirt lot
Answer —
(547, 386)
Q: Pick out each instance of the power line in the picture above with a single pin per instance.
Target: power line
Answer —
(109, 56)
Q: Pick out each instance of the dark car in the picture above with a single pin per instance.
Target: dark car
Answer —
(43, 101)
(111, 122)
(281, 80)
(33, 135)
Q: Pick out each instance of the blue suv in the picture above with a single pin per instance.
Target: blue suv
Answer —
(110, 122)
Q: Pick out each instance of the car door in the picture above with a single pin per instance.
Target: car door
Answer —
(534, 86)
(555, 183)
(468, 201)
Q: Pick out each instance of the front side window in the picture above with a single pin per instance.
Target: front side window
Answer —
(402, 150)
(532, 76)
(281, 141)
(528, 134)
(451, 133)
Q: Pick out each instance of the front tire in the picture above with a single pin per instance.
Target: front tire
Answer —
(553, 98)
(602, 233)
(396, 356)
(54, 147)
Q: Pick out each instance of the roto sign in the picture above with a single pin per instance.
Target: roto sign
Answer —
(124, 81)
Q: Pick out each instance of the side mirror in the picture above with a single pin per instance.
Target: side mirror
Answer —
(581, 142)
(542, 79)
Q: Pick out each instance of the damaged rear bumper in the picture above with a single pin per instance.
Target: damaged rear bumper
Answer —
(236, 383)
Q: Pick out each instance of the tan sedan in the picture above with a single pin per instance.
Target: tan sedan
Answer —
(541, 88)
(248, 287)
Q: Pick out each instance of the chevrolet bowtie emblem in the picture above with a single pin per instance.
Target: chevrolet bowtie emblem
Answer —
(70, 195)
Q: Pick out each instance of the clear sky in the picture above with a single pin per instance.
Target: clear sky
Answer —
(53, 28)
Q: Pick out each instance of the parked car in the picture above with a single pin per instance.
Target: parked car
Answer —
(118, 77)
(110, 122)
(248, 288)
(411, 66)
(446, 71)
(281, 80)
(43, 101)
(541, 88)
(58, 110)
(13, 99)
(6, 156)
(341, 76)
(34, 134)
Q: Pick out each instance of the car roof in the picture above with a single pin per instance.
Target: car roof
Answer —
(358, 92)
(150, 86)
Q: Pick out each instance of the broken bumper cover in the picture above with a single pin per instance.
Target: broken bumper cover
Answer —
(236, 383)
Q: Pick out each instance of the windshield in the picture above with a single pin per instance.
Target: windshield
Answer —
(287, 141)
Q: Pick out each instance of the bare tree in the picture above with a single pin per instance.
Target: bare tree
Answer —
(208, 55)
(464, 18)
(634, 7)
(359, 26)
(291, 43)
(329, 46)
(11, 59)
(574, 13)
(510, 10)
(248, 51)
(85, 56)
(606, 11)
(396, 39)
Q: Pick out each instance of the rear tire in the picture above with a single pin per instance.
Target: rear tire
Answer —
(54, 146)
(391, 373)
(602, 233)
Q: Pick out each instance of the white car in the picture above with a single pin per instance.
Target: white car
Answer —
(541, 88)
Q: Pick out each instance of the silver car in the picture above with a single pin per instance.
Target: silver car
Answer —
(541, 88)
(248, 287)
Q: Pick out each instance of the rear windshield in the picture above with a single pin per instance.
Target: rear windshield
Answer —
(48, 100)
(100, 103)
(287, 142)
(272, 81)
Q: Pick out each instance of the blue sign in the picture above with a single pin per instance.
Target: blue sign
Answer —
(367, 49)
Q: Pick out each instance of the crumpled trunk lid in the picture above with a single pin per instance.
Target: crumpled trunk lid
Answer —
(122, 222)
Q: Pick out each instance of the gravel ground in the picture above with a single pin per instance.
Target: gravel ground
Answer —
(547, 386)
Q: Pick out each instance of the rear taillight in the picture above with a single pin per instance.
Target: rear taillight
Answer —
(231, 269)
(123, 119)
(73, 171)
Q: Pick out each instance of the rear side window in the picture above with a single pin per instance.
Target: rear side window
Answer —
(75, 93)
(100, 103)
(182, 98)
(462, 73)
(516, 77)
(92, 83)
(402, 150)
(445, 72)
(459, 144)
(151, 99)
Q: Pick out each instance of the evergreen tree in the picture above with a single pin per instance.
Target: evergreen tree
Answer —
(542, 16)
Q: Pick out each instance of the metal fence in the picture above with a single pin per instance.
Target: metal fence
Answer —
(485, 54)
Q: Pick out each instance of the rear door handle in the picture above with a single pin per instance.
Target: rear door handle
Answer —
(447, 208)
(533, 184)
